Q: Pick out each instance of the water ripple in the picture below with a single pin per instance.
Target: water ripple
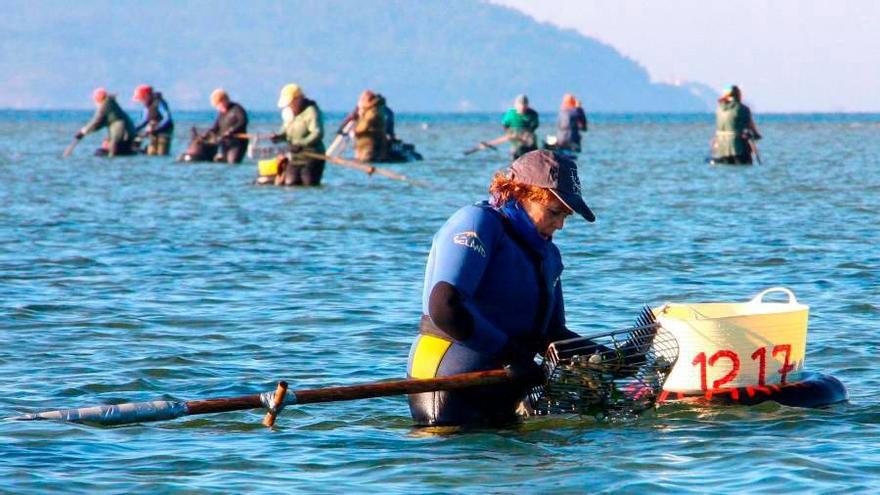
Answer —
(185, 281)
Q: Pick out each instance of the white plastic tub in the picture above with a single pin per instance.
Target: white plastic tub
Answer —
(731, 345)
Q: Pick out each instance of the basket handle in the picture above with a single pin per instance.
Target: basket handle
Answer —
(760, 297)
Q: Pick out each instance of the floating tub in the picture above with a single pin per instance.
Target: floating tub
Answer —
(745, 352)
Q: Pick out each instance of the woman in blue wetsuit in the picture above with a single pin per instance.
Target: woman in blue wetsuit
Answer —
(492, 294)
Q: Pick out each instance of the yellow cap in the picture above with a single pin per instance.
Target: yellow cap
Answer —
(288, 93)
(217, 96)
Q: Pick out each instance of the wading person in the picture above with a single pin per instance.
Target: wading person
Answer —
(492, 294)
(120, 129)
(388, 117)
(375, 148)
(303, 131)
(370, 129)
(156, 122)
(232, 120)
(387, 114)
(520, 124)
(570, 122)
(735, 130)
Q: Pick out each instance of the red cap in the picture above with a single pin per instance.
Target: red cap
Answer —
(142, 93)
(99, 94)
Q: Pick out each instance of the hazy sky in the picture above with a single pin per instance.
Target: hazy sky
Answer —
(787, 55)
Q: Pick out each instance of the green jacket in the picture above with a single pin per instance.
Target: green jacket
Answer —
(521, 128)
(306, 129)
(520, 122)
(108, 114)
(732, 121)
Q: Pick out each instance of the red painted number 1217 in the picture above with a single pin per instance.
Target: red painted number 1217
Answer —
(759, 355)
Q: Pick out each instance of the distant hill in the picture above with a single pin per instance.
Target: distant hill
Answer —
(705, 93)
(426, 55)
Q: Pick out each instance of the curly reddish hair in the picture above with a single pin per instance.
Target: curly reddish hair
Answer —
(503, 189)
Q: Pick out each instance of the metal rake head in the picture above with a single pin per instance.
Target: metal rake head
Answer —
(614, 375)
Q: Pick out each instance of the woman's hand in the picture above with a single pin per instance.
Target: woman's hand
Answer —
(527, 372)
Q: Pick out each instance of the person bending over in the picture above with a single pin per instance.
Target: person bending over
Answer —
(493, 292)
(120, 129)
(303, 131)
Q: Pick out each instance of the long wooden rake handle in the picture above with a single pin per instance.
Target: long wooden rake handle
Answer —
(367, 168)
(339, 142)
(139, 412)
(363, 167)
(488, 144)
(754, 148)
(69, 150)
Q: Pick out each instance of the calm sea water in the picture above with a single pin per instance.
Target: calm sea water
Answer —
(142, 278)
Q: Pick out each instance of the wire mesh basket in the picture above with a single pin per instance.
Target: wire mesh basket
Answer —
(615, 375)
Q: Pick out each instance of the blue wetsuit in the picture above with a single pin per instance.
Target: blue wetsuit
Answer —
(158, 114)
(492, 296)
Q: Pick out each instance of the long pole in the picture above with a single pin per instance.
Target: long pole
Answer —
(139, 412)
(754, 146)
(363, 167)
(250, 135)
(488, 144)
(69, 149)
(339, 141)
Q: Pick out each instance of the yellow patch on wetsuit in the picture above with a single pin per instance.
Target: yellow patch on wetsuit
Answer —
(268, 167)
(429, 352)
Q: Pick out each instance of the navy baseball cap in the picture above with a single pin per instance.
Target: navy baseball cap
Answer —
(556, 172)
